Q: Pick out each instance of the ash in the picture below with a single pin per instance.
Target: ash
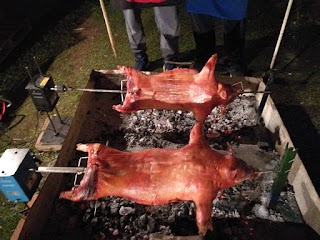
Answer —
(239, 113)
(167, 128)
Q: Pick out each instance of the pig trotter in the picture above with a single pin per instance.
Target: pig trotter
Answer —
(87, 188)
(203, 213)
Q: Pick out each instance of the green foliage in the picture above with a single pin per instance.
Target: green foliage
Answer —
(281, 179)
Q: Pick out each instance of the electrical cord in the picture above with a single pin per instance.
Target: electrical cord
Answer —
(15, 142)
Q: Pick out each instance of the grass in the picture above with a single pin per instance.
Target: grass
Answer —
(78, 43)
(10, 214)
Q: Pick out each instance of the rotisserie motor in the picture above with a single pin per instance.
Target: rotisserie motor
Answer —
(160, 176)
(177, 89)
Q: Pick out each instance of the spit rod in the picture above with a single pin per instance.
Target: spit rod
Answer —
(63, 88)
(77, 170)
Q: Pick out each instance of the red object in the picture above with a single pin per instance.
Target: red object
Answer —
(177, 89)
(2, 108)
(146, 1)
(161, 176)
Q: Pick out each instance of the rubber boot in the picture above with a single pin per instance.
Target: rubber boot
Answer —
(205, 48)
(142, 61)
(234, 39)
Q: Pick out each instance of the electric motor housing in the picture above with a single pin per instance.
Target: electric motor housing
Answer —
(17, 182)
(42, 96)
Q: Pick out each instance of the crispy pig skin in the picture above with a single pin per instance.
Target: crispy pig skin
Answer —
(161, 176)
(177, 89)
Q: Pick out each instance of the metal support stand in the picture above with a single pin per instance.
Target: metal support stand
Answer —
(267, 92)
(58, 115)
(54, 129)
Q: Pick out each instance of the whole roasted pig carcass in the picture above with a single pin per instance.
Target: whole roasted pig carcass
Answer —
(177, 89)
(160, 176)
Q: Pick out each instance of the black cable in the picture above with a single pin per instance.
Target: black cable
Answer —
(14, 142)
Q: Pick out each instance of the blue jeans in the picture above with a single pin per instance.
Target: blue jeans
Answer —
(167, 20)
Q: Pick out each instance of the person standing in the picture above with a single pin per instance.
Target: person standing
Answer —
(202, 15)
(167, 20)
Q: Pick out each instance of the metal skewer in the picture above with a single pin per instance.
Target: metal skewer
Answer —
(268, 92)
(77, 170)
(63, 88)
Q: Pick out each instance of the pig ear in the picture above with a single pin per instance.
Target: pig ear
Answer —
(233, 173)
(230, 151)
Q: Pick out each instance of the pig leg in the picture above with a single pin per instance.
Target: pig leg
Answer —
(203, 212)
(87, 188)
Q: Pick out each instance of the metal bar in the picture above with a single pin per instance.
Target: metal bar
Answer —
(267, 90)
(58, 115)
(255, 92)
(29, 74)
(76, 176)
(54, 129)
(179, 63)
(36, 62)
(98, 90)
(90, 90)
(9, 103)
(77, 170)
(122, 84)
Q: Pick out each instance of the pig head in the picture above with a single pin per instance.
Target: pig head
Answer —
(160, 176)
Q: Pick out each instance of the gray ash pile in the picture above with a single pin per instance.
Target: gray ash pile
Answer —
(118, 218)
(167, 128)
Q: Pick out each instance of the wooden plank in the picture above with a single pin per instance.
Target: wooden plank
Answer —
(305, 193)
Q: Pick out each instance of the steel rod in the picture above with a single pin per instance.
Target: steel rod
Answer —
(99, 90)
(77, 170)
(54, 129)
(256, 92)
(58, 114)
(90, 90)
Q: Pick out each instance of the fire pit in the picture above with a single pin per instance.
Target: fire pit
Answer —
(240, 211)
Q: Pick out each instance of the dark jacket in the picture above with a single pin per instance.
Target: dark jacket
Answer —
(124, 4)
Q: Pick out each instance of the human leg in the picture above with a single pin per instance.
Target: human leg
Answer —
(136, 37)
(234, 39)
(204, 37)
(167, 20)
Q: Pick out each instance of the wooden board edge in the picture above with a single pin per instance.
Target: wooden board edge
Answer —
(305, 194)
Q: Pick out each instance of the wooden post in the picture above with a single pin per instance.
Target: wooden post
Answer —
(105, 16)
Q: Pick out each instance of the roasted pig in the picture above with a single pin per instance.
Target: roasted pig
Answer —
(177, 89)
(160, 176)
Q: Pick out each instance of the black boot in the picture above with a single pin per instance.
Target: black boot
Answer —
(234, 39)
(205, 48)
(142, 61)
